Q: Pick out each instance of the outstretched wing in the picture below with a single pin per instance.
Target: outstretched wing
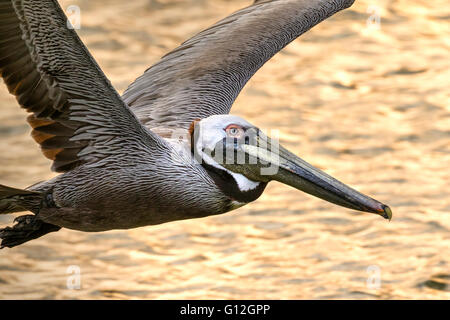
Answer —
(77, 116)
(205, 74)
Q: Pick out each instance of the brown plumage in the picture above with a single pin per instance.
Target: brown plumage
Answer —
(118, 169)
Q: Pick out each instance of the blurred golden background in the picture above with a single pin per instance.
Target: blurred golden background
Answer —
(369, 103)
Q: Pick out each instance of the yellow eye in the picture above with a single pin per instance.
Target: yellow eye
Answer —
(234, 131)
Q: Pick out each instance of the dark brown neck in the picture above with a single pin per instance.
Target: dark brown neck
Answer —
(229, 186)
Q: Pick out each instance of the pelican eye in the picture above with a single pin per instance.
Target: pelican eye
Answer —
(234, 131)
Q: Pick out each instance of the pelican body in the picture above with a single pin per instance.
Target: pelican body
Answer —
(122, 162)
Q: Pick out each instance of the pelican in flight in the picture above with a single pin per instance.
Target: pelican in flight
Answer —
(122, 162)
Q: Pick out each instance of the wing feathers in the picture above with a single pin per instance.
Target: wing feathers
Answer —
(205, 74)
(53, 76)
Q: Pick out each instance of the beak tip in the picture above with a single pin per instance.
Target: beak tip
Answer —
(387, 212)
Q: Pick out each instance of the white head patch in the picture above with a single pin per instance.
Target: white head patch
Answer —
(212, 131)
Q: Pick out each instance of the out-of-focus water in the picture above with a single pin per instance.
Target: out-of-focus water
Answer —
(370, 106)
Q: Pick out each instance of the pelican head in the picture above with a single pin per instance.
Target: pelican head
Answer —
(238, 153)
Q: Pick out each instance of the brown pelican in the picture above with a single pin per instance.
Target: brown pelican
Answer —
(121, 160)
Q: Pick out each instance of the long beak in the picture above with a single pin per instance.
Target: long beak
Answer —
(283, 166)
